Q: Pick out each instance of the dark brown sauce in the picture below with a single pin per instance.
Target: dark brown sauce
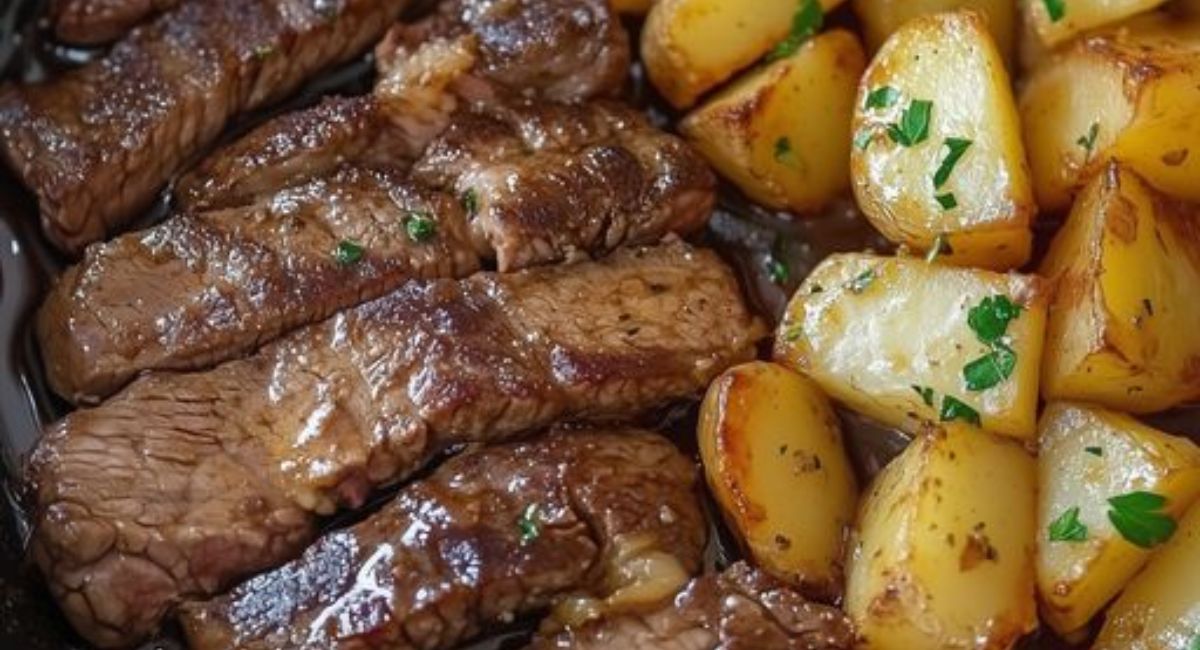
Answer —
(746, 235)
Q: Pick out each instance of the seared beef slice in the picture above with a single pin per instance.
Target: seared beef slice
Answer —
(181, 484)
(96, 144)
(491, 535)
(740, 609)
(523, 181)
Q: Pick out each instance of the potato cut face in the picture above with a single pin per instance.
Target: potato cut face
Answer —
(1122, 330)
(1161, 607)
(937, 156)
(1125, 94)
(880, 18)
(1056, 21)
(893, 339)
(943, 552)
(691, 46)
(773, 456)
(1088, 456)
(782, 133)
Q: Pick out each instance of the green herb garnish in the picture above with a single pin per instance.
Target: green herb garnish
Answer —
(913, 128)
(1138, 518)
(1056, 9)
(955, 409)
(926, 394)
(957, 147)
(1095, 451)
(863, 138)
(883, 97)
(1088, 142)
(991, 369)
(806, 22)
(347, 252)
(528, 524)
(470, 202)
(777, 270)
(947, 200)
(989, 320)
(861, 281)
(420, 227)
(1068, 528)
(783, 152)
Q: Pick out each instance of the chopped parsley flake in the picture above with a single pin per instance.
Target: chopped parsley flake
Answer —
(861, 281)
(883, 97)
(1056, 9)
(926, 394)
(1138, 518)
(528, 524)
(862, 139)
(1095, 451)
(420, 227)
(1088, 142)
(806, 22)
(1068, 528)
(989, 320)
(913, 128)
(957, 147)
(777, 270)
(955, 409)
(948, 201)
(783, 152)
(470, 202)
(991, 369)
(347, 252)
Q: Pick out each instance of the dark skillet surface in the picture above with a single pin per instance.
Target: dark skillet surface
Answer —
(747, 236)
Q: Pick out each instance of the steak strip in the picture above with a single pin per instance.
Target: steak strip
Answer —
(523, 182)
(183, 483)
(96, 144)
(92, 22)
(490, 535)
(740, 609)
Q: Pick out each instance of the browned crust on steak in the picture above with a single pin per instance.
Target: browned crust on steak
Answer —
(92, 22)
(740, 609)
(97, 144)
(181, 484)
(448, 556)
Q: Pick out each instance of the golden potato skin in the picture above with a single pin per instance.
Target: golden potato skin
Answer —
(1080, 16)
(950, 60)
(942, 556)
(1160, 609)
(880, 18)
(691, 46)
(1122, 330)
(751, 132)
(868, 344)
(1127, 94)
(773, 456)
(1077, 578)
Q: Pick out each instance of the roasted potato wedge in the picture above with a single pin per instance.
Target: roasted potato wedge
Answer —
(1129, 94)
(1160, 609)
(773, 455)
(899, 340)
(1089, 455)
(942, 556)
(691, 46)
(782, 133)
(1122, 329)
(1056, 21)
(880, 18)
(938, 159)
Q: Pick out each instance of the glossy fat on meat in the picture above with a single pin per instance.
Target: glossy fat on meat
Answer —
(448, 556)
(183, 483)
(91, 22)
(96, 144)
(739, 609)
(524, 182)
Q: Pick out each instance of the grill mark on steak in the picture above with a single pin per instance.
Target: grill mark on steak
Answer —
(181, 484)
(96, 144)
(447, 556)
(546, 182)
(740, 609)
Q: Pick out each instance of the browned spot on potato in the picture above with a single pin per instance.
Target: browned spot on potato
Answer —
(1175, 158)
(1191, 370)
(977, 549)
(1122, 219)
